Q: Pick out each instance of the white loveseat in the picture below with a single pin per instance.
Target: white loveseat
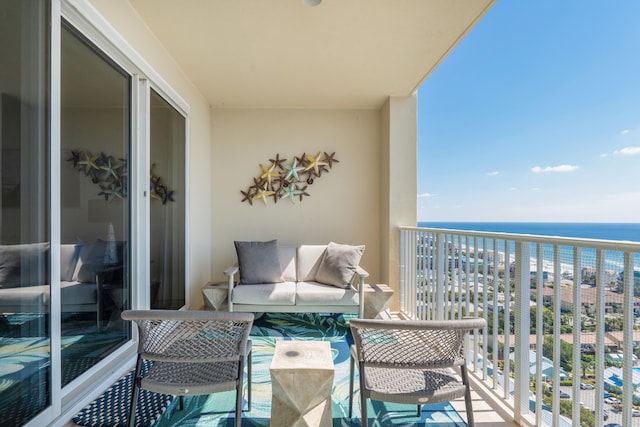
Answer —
(297, 285)
(25, 285)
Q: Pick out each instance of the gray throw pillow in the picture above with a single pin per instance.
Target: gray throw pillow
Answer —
(24, 265)
(91, 261)
(258, 262)
(339, 264)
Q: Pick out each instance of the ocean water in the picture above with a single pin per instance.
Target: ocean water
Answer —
(603, 231)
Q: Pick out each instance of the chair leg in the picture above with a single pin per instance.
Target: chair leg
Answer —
(419, 410)
(239, 385)
(351, 371)
(364, 417)
(467, 395)
(249, 358)
(134, 393)
(181, 401)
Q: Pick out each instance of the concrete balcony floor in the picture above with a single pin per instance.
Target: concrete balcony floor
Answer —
(488, 411)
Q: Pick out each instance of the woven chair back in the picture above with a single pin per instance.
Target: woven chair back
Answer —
(196, 337)
(412, 344)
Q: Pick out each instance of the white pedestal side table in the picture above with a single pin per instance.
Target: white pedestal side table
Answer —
(215, 295)
(377, 299)
(301, 380)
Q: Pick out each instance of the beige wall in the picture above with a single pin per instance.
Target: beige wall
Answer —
(399, 183)
(344, 204)
(362, 200)
(126, 22)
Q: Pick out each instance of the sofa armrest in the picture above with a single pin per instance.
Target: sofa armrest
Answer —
(362, 274)
(231, 272)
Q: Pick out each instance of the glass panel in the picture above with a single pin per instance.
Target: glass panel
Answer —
(94, 231)
(167, 205)
(25, 377)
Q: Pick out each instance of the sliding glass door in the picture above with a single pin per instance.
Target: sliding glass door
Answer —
(25, 234)
(89, 207)
(95, 141)
(167, 205)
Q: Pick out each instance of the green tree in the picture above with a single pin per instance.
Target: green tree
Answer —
(613, 324)
(588, 363)
(566, 353)
(547, 319)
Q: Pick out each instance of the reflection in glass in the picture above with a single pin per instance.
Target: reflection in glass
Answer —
(167, 205)
(25, 351)
(95, 141)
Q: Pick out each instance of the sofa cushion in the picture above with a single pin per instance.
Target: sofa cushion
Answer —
(283, 293)
(258, 262)
(36, 298)
(30, 298)
(24, 265)
(314, 293)
(78, 293)
(69, 254)
(309, 258)
(339, 264)
(287, 257)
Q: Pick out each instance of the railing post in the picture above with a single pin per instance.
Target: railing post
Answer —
(599, 348)
(557, 327)
(522, 329)
(539, 329)
(577, 333)
(440, 275)
(627, 349)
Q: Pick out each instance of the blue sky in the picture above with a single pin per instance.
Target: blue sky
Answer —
(535, 116)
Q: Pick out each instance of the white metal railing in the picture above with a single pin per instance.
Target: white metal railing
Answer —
(578, 295)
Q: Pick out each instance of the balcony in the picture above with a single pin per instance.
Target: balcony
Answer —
(567, 306)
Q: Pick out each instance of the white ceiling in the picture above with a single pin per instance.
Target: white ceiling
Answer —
(283, 54)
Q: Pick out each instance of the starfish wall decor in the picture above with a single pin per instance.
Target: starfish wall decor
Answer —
(110, 175)
(288, 180)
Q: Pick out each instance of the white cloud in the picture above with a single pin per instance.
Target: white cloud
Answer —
(559, 168)
(624, 132)
(423, 195)
(628, 151)
(494, 173)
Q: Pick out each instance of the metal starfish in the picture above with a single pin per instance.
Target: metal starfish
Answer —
(248, 196)
(314, 163)
(268, 172)
(277, 162)
(102, 159)
(75, 157)
(258, 183)
(303, 193)
(292, 170)
(111, 191)
(263, 193)
(162, 193)
(330, 159)
(89, 162)
(290, 192)
(322, 169)
(111, 169)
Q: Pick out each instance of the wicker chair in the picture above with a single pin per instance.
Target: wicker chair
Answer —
(411, 361)
(192, 353)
